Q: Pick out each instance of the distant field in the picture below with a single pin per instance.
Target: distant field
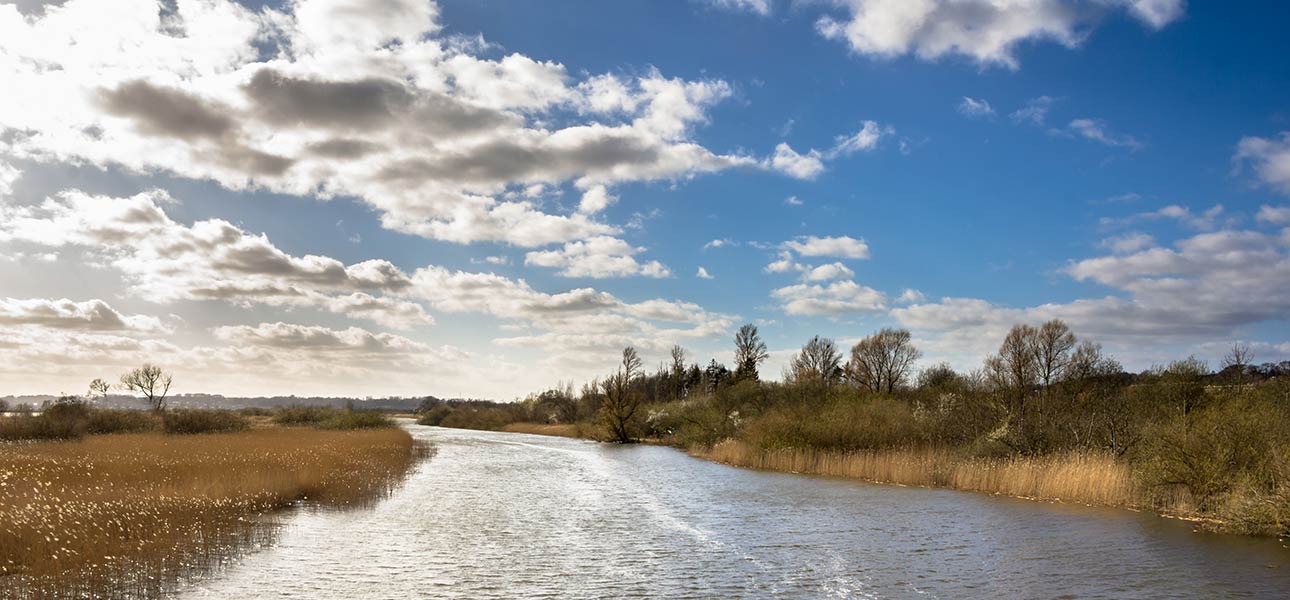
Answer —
(111, 515)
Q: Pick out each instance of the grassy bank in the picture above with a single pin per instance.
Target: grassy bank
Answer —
(1086, 478)
(570, 430)
(112, 515)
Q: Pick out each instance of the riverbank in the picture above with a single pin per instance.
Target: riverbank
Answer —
(114, 515)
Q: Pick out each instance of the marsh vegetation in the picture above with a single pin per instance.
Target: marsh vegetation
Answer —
(1047, 416)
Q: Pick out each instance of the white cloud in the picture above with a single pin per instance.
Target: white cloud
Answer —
(1182, 214)
(1035, 111)
(793, 201)
(1199, 288)
(89, 315)
(910, 296)
(986, 31)
(811, 164)
(702, 273)
(720, 243)
(1097, 130)
(1269, 158)
(971, 107)
(164, 261)
(1129, 242)
(828, 272)
(836, 299)
(372, 105)
(598, 257)
(1274, 215)
(595, 199)
(801, 166)
(840, 246)
(760, 7)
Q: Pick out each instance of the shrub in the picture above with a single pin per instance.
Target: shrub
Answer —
(356, 420)
(304, 415)
(40, 427)
(119, 421)
(256, 411)
(203, 421)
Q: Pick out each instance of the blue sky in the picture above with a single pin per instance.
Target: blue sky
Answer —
(481, 198)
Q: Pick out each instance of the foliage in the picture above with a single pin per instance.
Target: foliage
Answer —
(192, 421)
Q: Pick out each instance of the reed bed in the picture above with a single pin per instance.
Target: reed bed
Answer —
(571, 430)
(1080, 477)
(128, 514)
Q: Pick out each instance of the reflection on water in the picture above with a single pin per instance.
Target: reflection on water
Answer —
(516, 516)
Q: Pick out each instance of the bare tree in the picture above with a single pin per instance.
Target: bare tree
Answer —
(750, 351)
(1052, 344)
(150, 381)
(99, 388)
(1238, 359)
(621, 401)
(882, 361)
(677, 373)
(1089, 361)
(1014, 368)
(818, 362)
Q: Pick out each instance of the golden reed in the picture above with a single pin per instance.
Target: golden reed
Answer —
(1081, 477)
(121, 515)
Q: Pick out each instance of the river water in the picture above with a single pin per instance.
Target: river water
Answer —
(497, 515)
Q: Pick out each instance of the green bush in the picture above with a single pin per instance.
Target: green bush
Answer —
(356, 420)
(203, 421)
(842, 425)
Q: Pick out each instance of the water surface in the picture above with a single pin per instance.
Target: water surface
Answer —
(496, 515)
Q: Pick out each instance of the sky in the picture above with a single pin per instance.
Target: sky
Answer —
(481, 198)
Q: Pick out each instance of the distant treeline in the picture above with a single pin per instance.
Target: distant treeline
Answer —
(216, 401)
(1212, 442)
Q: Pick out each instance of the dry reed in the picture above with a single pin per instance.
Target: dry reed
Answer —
(558, 430)
(1081, 477)
(124, 514)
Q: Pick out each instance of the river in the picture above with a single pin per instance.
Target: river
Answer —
(498, 515)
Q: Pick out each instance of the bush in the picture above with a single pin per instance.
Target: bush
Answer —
(843, 425)
(356, 420)
(39, 427)
(304, 415)
(203, 421)
(119, 421)
(255, 411)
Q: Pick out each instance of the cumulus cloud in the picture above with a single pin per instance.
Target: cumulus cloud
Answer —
(164, 261)
(840, 246)
(835, 299)
(1269, 158)
(1200, 287)
(361, 98)
(984, 31)
(89, 315)
(1273, 215)
(702, 273)
(598, 258)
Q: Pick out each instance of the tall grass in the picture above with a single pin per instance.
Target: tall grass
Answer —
(1083, 477)
(120, 515)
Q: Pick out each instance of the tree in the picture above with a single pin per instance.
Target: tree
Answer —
(1014, 367)
(150, 381)
(818, 362)
(1088, 361)
(99, 388)
(677, 373)
(713, 376)
(1236, 363)
(882, 361)
(621, 401)
(1052, 344)
(750, 351)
